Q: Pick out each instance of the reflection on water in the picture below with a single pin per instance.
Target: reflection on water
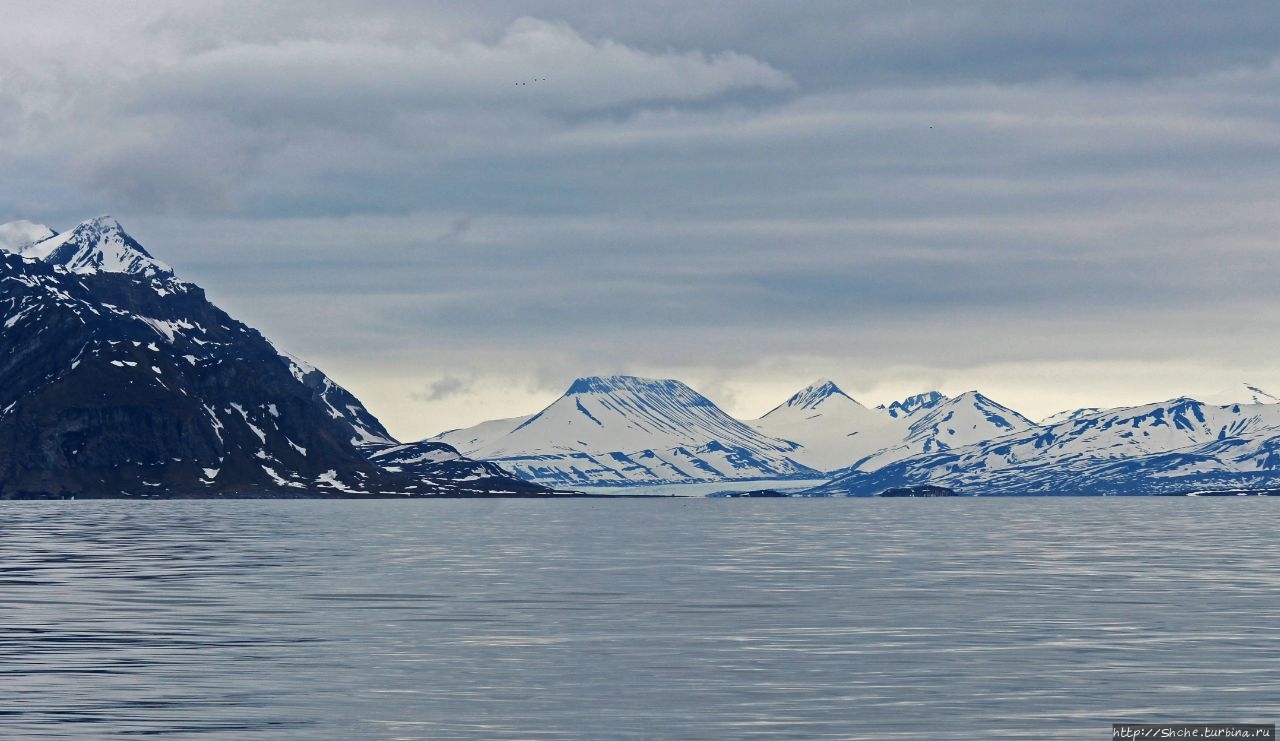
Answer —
(589, 619)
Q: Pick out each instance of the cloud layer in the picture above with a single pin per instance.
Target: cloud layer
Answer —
(454, 210)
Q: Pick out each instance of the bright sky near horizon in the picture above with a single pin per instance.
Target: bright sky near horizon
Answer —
(1059, 203)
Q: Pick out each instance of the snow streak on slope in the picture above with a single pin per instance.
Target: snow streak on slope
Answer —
(831, 428)
(339, 402)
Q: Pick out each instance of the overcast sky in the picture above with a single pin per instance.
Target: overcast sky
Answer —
(454, 211)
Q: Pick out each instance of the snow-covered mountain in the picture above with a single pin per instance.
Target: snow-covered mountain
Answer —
(1177, 445)
(121, 380)
(948, 423)
(101, 245)
(831, 429)
(96, 245)
(625, 430)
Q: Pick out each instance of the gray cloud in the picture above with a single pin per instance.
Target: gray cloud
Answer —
(444, 388)
(722, 188)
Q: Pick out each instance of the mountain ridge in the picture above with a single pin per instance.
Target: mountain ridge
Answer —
(122, 377)
(629, 430)
(1162, 447)
(122, 380)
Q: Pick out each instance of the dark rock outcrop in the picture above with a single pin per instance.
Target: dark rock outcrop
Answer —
(924, 490)
(133, 384)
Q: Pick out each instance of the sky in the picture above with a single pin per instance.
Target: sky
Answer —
(455, 210)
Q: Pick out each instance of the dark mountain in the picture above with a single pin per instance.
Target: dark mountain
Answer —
(434, 460)
(118, 379)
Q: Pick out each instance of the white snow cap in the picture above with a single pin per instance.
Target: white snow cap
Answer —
(97, 245)
(812, 395)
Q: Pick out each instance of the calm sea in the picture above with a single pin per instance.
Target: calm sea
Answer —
(663, 619)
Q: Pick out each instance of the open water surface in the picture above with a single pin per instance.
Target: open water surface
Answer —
(664, 618)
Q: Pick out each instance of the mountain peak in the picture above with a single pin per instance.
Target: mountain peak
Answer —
(819, 389)
(831, 428)
(631, 430)
(97, 245)
(913, 404)
(812, 395)
(996, 414)
(612, 384)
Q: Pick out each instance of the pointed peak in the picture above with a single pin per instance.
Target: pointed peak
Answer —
(821, 395)
(100, 227)
(973, 398)
(105, 221)
(825, 386)
(814, 394)
(95, 245)
(972, 407)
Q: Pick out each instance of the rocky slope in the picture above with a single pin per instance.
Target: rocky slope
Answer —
(122, 380)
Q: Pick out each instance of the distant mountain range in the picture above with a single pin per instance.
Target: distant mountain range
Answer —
(1178, 446)
(623, 430)
(119, 379)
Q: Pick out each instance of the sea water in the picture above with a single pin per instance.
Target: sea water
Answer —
(663, 618)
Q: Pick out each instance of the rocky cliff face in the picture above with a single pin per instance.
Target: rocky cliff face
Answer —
(131, 383)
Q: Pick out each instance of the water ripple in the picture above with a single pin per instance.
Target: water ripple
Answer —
(757, 619)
